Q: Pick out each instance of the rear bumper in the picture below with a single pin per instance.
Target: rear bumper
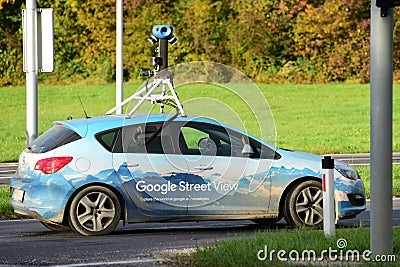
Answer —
(43, 198)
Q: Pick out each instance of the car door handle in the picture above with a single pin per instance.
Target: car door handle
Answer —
(130, 165)
(204, 168)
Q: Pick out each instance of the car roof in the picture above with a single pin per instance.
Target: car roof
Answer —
(106, 122)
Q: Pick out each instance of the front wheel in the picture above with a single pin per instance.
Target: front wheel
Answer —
(303, 205)
(95, 210)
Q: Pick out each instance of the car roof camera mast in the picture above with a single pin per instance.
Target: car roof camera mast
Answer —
(163, 35)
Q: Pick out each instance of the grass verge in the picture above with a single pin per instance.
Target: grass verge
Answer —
(364, 172)
(6, 212)
(243, 251)
(320, 119)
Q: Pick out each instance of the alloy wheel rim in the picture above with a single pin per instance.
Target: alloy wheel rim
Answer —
(309, 205)
(95, 211)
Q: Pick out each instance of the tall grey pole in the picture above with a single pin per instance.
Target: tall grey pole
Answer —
(381, 98)
(119, 87)
(31, 73)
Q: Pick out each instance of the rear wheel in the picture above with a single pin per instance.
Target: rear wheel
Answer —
(95, 210)
(303, 205)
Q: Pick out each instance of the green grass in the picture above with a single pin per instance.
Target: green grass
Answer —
(365, 175)
(6, 211)
(314, 118)
(55, 103)
(326, 118)
(243, 251)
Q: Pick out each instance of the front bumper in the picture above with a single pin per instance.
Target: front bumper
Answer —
(350, 197)
(347, 210)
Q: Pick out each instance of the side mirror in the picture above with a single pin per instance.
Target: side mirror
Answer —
(247, 150)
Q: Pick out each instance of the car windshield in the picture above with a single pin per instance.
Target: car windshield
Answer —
(55, 137)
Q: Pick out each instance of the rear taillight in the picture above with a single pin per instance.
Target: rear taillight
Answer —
(52, 165)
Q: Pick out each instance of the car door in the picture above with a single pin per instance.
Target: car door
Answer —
(150, 170)
(231, 167)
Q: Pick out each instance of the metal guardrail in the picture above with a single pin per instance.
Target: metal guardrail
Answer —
(6, 171)
(362, 159)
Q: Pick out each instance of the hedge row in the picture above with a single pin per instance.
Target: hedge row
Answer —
(296, 41)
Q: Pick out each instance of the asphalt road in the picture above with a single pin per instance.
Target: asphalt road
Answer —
(28, 243)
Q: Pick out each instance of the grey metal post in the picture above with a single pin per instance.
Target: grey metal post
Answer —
(381, 130)
(31, 74)
(119, 90)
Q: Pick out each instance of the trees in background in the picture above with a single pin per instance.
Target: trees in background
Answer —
(299, 41)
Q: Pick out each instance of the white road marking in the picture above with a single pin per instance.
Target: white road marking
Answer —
(137, 261)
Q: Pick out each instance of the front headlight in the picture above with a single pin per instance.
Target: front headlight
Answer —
(347, 172)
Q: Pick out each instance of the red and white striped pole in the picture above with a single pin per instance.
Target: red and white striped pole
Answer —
(328, 165)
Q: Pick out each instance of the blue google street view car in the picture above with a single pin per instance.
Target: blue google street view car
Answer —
(88, 174)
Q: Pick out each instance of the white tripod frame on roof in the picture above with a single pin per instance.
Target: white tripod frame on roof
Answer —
(163, 34)
(146, 93)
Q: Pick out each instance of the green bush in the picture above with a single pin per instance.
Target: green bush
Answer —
(270, 41)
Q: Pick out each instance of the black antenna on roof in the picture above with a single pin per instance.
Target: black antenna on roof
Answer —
(84, 111)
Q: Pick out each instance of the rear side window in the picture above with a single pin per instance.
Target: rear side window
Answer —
(53, 138)
(108, 138)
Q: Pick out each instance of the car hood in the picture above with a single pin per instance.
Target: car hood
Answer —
(300, 155)
(299, 160)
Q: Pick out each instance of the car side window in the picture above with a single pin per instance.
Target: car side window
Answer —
(149, 138)
(211, 140)
(207, 139)
(263, 152)
(107, 138)
(189, 142)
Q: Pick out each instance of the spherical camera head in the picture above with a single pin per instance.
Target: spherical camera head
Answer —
(161, 34)
(163, 31)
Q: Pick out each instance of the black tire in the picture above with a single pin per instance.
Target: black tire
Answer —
(55, 227)
(95, 210)
(303, 205)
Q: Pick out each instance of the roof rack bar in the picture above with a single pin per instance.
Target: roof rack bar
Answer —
(161, 99)
(135, 95)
